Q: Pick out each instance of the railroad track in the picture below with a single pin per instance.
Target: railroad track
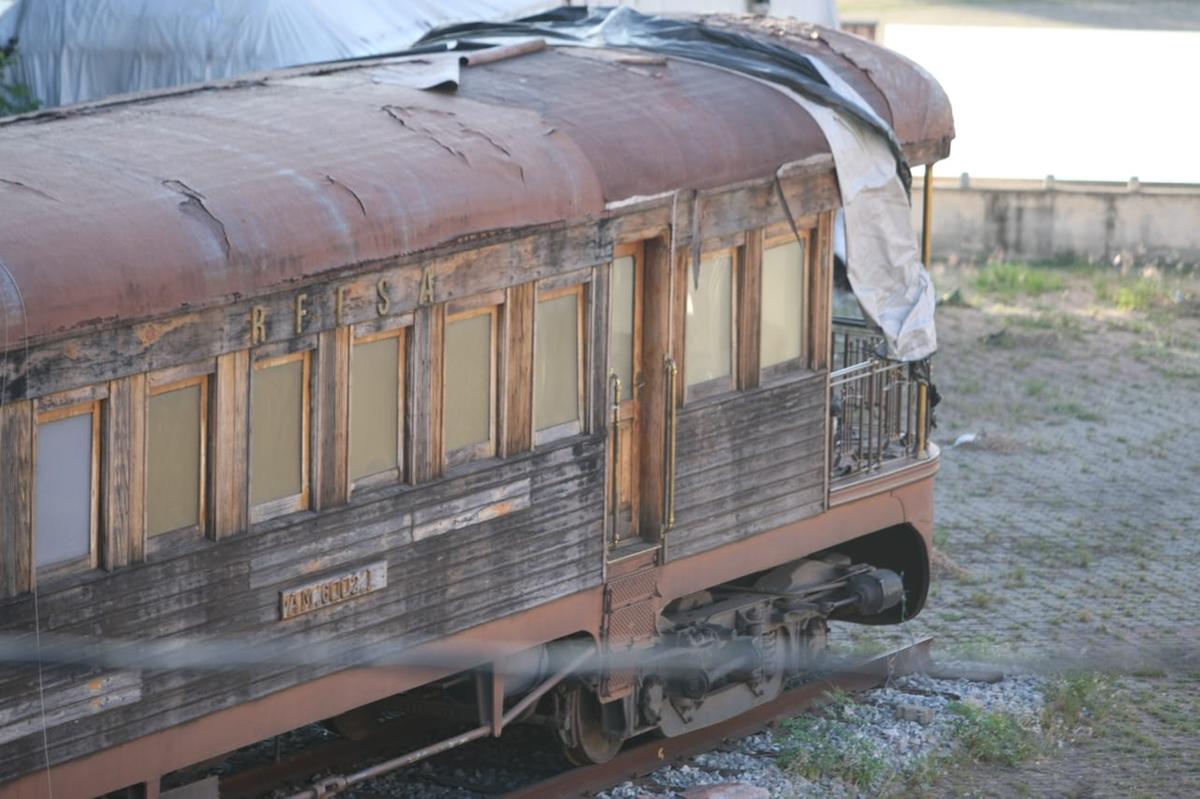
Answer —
(387, 744)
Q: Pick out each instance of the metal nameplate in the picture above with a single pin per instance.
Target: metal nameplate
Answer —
(332, 590)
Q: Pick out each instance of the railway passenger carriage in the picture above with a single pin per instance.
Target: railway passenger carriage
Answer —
(327, 360)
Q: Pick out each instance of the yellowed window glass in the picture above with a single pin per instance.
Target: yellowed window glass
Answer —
(556, 362)
(782, 304)
(374, 406)
(708, 350)
(624, 288)
(277, 431)
(173, 460)
(469, 365)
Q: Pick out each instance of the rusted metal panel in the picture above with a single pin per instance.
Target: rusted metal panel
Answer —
(142, 207)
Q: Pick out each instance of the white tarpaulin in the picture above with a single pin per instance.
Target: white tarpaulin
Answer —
(882, 259)
(71, 51)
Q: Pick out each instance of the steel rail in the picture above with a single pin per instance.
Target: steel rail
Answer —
(644, 758)
(393, 738)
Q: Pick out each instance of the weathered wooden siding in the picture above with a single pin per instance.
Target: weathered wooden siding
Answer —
(503, 537)
(748, 463)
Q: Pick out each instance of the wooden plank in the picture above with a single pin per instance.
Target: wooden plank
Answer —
(516, 401)
(230, 447)
(331, 419)
(596, 351)
(124, 465)
(749, 297)
(16, 498)
(821, 292)
(656, 346)
(425, 395)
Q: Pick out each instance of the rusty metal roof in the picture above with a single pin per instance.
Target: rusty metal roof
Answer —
(146, 206)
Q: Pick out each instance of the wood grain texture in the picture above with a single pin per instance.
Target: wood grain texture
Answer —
(16, 498)
(820, 287)
(749, 298)
(123, 482)
(331, 419)
(656, 346)
(516, 401)
(596, 350)
(461, 550)
(426, 460)
(230, 447)
(749, 463)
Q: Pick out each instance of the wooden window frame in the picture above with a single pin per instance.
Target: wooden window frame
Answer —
(369, 334)
(718, 386)
(572, 428)
(637, 251)
(164, 382)
(774, 237)
(66, 405)
(456, 312)
(296, 502)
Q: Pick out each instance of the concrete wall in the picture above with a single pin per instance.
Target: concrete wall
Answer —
(1046, 220)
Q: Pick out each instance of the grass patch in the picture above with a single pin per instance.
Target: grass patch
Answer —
(982, 600)
(820, 748)
(1011, 280)
(1081, 699)
(1140, 294)
(1036, 387)
(1076, 411)
(988, 736)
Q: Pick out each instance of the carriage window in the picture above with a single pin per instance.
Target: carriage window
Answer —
(175, 456)
(624, 292)
(558, 361)
(782, 304)
(708, 335)
(469, 410)
(376, 404)
(279, 407)
(67, 482)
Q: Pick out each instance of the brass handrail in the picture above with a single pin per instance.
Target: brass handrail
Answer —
(615, 381)
(672, 418)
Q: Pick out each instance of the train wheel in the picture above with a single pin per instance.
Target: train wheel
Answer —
(580, 726)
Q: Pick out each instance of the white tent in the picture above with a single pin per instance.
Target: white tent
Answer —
(76, 50)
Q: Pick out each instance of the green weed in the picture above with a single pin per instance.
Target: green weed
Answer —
(988, 736)
(1076, 411)
(818, 748)
(1010, 280)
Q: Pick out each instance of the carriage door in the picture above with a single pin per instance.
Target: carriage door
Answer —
(625, 384)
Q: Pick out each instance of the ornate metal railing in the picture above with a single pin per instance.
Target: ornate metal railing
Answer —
(879, 415)
(854, 343)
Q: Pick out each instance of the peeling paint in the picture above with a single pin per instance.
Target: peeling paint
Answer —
(16, 184)
(194, 205)
(335, 182)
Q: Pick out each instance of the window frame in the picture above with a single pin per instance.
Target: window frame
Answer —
(165, 382)
(483, 450)
(728, 384)
(295, 502)
(575, 427)
(637, 251)
(55, 408)
(773, 237)
(366, 334)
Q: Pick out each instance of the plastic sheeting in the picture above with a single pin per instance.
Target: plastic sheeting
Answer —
(71, 51)
(882, 256)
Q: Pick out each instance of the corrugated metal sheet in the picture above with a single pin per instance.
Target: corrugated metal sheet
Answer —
(148, 206)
